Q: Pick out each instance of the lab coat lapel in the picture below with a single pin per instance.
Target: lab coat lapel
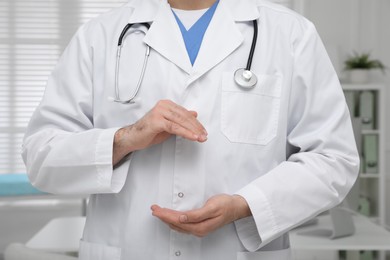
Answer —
(221, 39)
(222, 36)
(164, 36)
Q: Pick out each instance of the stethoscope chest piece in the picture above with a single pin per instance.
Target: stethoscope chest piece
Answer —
(245, 78)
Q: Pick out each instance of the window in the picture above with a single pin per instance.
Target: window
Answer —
(33, 34)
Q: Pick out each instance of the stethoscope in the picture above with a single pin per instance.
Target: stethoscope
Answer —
(243, 77)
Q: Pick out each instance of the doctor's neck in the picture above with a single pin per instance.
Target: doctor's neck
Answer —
(191, 4)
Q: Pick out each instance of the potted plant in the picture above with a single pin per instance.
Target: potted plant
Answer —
(359, 65)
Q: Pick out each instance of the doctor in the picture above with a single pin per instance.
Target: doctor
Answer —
(197, 168)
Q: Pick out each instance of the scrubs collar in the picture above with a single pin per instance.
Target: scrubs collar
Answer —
(146, 10)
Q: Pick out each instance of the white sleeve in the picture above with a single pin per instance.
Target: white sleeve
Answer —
(63, 152)
(322, 162)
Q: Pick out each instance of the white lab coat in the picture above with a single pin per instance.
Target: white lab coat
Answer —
(286, 145)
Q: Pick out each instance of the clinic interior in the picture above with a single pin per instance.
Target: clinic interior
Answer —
(33, 35)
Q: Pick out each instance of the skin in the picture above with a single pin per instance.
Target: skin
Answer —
(191, 4)
(218, 211)
(164, 120)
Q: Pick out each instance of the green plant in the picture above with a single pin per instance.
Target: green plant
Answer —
(363, 61)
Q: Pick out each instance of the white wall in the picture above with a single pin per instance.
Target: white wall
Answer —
(360, 25)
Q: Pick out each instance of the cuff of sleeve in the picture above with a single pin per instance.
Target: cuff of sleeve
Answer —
(259, 229)
(109, 180)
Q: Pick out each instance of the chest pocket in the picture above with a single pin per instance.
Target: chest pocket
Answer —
(250, 115)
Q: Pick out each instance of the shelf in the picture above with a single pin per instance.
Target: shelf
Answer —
(372, 185)
(369, 86)
(369, 175)
(370, 132)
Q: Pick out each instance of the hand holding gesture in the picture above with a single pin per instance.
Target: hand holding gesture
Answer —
(165, 119)
(218, 211)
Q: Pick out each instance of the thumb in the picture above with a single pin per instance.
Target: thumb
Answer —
(196, 215)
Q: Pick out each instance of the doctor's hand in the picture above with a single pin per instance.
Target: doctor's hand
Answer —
(218, 211)
(166, 118)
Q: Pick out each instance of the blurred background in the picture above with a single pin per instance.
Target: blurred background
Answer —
(356, 34)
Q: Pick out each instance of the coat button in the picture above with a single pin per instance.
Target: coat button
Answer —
(180, 194)
(177, 253)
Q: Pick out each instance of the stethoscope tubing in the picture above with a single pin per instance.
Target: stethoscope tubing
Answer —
(117, 65)
(127, 27)
(253, 46)
(243, 77)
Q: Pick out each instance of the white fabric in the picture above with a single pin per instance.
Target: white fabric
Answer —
(189, 17)
(286, 145)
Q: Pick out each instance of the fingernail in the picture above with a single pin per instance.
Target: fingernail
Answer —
(203, 137)
(196, 136)
(183, 218)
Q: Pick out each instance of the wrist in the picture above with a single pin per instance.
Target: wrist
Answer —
(241, 207)
(120, 139)
(122, 145)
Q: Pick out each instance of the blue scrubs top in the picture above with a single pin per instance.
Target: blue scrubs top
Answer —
(194, 36)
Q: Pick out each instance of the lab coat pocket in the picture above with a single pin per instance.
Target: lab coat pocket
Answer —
(284, 254)
(94, 251)
(251, 115)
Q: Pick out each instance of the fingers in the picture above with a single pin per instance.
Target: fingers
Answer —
(198, 215)
(194, 113)
(179, 130)
(178, 229)
(198, 222)
(167, 215)
(181, 122)
(177, 217)
(163, 215)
